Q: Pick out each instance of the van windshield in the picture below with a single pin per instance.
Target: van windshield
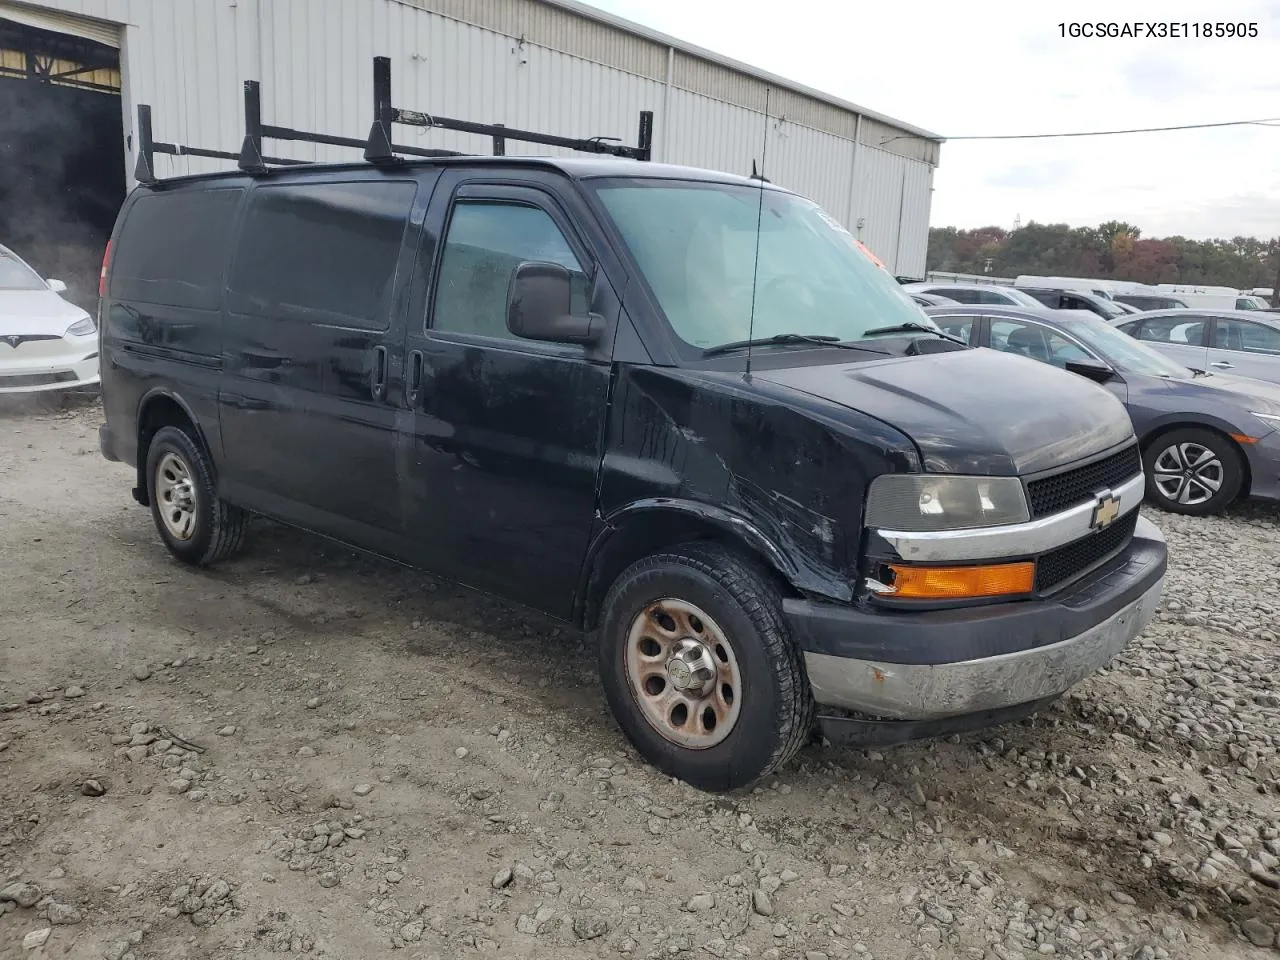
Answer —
(696, 245)
(16, 275)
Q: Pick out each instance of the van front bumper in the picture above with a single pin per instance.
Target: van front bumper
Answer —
(979, 663)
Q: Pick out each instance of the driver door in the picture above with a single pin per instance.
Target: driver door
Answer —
(501, 459)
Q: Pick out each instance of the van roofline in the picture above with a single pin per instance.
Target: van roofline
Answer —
(575, 168)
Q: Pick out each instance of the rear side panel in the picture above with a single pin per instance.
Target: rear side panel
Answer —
(314, 333)
(161, 312)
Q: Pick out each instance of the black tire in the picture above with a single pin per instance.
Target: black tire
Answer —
(775, 709)
(1178, 447)
(216, 529)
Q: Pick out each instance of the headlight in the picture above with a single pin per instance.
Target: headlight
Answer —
(1272, 420)
(914, 503)
(82, 328)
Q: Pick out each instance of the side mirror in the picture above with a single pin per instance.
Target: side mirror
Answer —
(1095, 371)
(57, 286)
(539, 306)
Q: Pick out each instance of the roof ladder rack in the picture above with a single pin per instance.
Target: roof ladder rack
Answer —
(379, 143)
(378, 147)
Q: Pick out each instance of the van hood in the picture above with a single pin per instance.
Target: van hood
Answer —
(26, 312)
(974, 411)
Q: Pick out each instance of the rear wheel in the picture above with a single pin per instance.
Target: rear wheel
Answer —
(1193, 471)
(194, 524)
(699, 669)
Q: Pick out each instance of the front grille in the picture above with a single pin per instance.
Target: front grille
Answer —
(36, 379)
(1065, 563)
(1050, 495)
(18, 340)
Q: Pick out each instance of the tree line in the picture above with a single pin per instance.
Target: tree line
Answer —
(1112, 250)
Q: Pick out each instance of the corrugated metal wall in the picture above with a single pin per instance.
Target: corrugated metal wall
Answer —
(518, 62)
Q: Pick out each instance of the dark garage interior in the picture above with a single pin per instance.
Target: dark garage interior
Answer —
(62, 168)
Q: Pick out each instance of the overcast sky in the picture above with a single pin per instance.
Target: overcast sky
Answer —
(1001, 67)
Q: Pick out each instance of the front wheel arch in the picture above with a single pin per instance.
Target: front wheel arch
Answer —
(644, 529)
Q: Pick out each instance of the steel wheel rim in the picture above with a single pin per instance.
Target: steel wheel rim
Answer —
(683, 674)
(175, 497)
(1189, 474)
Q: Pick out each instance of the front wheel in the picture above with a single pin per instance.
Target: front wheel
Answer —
(699, 668)
(1193, 471)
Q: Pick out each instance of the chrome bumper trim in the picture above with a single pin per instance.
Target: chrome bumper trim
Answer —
(1013, 539)
(900, 691)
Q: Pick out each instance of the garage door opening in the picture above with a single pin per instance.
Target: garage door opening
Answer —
(62, 168)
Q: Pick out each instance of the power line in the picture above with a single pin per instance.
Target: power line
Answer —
(1266, 122)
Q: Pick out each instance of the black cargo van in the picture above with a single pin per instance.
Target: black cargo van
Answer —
(531, 376)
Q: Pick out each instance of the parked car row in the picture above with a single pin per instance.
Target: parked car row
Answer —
(1207, 439)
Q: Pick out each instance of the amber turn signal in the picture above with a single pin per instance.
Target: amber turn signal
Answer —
(960, 583)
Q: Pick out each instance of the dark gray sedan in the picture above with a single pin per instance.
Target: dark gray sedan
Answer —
(1207, 439)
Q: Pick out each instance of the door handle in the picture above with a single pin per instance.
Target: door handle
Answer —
(378, 386)
(415, 377)
(1221, 365)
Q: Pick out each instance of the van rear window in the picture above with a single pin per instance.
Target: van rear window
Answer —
(321, 252)
(172, 248)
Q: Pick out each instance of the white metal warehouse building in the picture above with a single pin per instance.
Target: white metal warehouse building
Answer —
(555, 66)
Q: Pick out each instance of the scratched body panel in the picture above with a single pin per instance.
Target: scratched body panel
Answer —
(750, 456)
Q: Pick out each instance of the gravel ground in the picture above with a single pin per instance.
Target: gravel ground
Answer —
(307, 751)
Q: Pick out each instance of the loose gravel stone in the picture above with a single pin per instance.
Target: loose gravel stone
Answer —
(589, 927)
(92, 788)
(700, 902)
(63, 914)
(36, 939)
(761, 903)
(1260, 934)
(23, 894)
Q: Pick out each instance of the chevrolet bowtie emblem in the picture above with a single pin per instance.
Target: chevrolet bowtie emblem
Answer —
(1105, 511)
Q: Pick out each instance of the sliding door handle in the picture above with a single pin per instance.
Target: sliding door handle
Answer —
(378, 384)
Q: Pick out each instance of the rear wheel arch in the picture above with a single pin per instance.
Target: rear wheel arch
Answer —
(641, 531)
(158, 409)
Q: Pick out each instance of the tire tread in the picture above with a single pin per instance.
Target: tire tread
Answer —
(754, 590)
(228, 523)
(1233, 460)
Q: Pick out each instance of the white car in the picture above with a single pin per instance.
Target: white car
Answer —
(46, 343)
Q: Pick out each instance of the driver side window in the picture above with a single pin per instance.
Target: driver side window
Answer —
(485, 243)
(1034, 341)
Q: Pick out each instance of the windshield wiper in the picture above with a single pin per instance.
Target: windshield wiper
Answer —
(819, 339)
(912, 327)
